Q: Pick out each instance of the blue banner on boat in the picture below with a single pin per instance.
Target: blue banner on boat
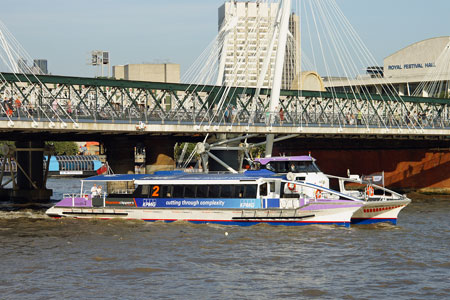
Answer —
(198, 203)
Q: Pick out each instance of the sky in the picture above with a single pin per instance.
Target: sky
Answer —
(145, 31)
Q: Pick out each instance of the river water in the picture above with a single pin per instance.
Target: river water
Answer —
(43, 258)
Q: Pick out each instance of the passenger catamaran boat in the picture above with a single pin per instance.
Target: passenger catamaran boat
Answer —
(287, 197)
(380, 204)
(248, 198)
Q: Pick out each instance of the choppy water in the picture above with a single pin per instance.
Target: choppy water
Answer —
(42, 258)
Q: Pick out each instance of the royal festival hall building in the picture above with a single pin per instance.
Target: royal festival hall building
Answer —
(421, 69)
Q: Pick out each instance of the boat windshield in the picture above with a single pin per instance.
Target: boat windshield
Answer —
(291, 166)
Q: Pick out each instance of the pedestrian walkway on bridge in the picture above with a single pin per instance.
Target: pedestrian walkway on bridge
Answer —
(57, 99)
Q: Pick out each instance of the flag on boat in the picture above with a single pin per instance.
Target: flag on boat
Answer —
(102, 169)
(374, 178)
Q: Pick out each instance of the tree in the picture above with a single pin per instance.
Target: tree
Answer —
(65, 148)
(179, 149)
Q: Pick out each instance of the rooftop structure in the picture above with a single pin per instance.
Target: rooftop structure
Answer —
(40, 66)
(148, 72)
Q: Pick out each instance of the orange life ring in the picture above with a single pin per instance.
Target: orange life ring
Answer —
(291, 186)
(318, 194)
(370, 191)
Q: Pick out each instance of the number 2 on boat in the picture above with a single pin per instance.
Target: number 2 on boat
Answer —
(155, 191)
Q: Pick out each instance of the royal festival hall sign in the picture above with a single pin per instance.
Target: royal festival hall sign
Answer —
(411, 66)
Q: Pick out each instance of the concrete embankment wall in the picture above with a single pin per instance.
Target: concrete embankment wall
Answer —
(422, 170)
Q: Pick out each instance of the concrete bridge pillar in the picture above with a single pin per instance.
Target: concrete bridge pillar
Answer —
(120, 154)
(159, 153)
(30, 173)
(31, 163)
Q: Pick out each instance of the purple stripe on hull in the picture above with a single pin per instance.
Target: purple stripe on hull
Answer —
(318, 206)
(78, 202)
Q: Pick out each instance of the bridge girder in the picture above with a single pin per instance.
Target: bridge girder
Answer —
(73, 103)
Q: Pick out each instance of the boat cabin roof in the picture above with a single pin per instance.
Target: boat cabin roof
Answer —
(183, 176)
(115, 177)
(266, 160)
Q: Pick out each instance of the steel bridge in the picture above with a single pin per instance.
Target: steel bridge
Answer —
(59, 104)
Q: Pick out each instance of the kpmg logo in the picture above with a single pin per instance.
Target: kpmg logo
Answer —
(148, 202)
(247, 204)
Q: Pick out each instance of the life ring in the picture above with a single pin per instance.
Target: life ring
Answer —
(370, 191)
(291, 186)
(318, 194)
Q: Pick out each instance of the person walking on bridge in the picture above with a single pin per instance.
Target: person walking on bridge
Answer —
(233, 114)
(281, 112)
(359, 118)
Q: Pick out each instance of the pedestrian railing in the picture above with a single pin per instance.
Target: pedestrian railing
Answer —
(241, 118)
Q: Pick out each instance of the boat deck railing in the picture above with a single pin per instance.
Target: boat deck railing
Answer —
(122, 191)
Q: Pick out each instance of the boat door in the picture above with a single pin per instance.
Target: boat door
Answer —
(269, 195)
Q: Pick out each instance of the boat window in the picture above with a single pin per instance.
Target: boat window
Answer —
(282, 191)
(164, 191)
(272, 187)
(214, 191)
(227, 191)
(286, 193)
(189, 191)
(239, 191)
(292, 166)
(270, 168)
(168, 191)
(198, 191)
(202, 191)
(250, 191)
(263, 189)
(144, 190)
(140, 191)
(178, 191)
(306, 166)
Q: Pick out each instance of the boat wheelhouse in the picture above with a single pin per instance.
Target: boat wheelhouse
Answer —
(237, 199)
(381, 204)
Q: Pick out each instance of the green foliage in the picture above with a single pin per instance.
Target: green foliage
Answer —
(179, 149)
(61, 148)
(65, 148)
(257, 152)
(5, 143)
(443, 94)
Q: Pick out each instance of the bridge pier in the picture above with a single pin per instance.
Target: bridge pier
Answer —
(120, 154)
(31, 180)
(159, 153)
(31, 163)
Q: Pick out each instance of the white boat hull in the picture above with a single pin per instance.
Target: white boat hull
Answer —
(379, 211)
(290, 217)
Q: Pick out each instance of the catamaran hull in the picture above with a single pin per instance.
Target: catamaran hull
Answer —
(333, 216)
(379, 212)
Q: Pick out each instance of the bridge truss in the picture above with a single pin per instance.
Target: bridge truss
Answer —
(46, 102)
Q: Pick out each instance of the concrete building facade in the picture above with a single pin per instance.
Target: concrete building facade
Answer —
(420, 69)
(246, 45)
(148, 72)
